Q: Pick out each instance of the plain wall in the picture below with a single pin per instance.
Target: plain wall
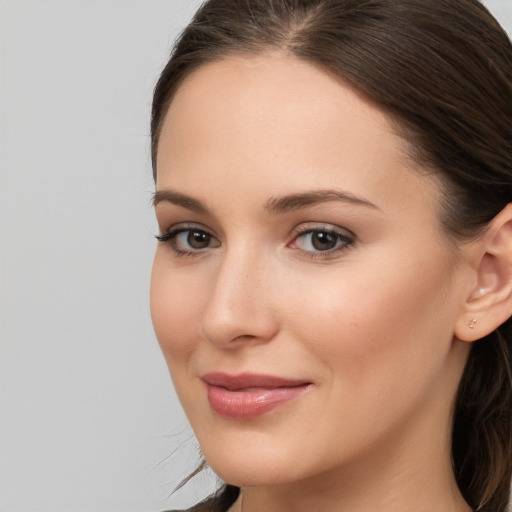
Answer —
(87, 409)
(88, 417)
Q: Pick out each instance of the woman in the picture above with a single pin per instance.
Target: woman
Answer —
(333, 284)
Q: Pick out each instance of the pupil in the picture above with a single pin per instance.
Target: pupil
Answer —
(198, 239)
(323, 241)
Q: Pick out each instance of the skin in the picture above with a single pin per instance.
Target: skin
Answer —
(369, 323)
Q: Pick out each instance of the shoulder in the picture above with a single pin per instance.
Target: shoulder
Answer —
(219, 502)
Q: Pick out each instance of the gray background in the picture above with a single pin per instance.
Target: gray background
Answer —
(88, 417)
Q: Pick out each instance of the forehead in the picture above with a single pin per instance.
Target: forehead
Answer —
(280, 121)
(274, 89)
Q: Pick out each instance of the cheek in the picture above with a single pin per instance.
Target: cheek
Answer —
(175, 309)
(376, 324)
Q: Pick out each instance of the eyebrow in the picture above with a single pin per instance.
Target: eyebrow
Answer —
(179, 199)
(303, 200)
(274, 205)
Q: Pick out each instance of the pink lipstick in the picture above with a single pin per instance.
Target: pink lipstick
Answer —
(247, 396)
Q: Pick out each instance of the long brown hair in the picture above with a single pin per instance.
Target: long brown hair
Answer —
(442, 70)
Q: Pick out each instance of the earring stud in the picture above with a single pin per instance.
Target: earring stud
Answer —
(473, 323)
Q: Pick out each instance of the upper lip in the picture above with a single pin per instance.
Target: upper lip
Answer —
(250, 380)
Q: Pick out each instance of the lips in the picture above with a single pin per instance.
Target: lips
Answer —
(247, 396)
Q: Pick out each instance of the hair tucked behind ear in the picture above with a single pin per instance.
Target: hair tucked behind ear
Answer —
(481, 446)
(442, 69)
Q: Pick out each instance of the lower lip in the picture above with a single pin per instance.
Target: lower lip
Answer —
(250, 403)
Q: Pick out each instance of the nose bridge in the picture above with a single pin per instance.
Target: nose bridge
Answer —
(239, 307)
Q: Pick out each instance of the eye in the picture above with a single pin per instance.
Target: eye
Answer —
(194, 239)
(188, 240)
(321, 240)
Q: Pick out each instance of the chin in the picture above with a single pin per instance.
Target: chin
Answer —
(254, 474)
(253, 462)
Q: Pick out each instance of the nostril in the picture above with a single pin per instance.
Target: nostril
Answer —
(234, 328)
(238, 309)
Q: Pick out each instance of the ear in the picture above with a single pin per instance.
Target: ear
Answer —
(489, 303)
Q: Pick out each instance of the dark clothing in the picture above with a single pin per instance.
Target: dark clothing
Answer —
(219, 502)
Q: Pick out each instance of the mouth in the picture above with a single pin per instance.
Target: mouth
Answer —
(248, 396)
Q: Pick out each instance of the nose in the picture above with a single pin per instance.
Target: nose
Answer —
(241, 306)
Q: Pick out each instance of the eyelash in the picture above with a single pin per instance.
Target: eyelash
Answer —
(170, 236)
(343, 240)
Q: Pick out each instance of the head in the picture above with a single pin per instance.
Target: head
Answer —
(437, 79)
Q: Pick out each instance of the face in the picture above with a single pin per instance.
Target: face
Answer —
(303, 292)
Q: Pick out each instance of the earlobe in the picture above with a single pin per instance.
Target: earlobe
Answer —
(490, 302)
